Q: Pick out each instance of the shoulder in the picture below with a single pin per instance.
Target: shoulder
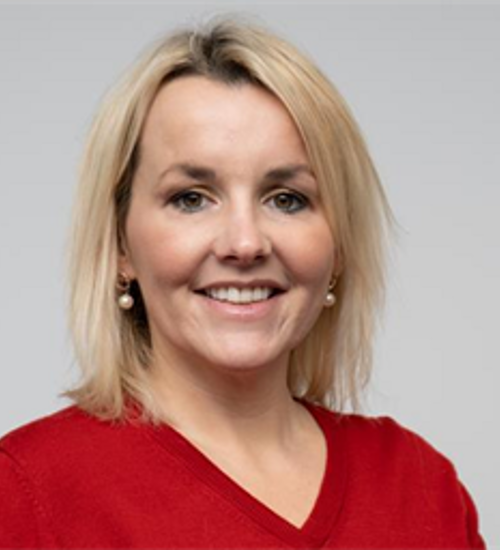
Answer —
(372, 437)
(385, 438)
(383, 444)
(389, 465)
(45, 429)
(66, 426)
(63, 440)
(380, 452)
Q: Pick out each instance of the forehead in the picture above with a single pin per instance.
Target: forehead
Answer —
(197, 108)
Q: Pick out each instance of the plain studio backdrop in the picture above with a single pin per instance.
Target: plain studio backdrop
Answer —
(423, 80)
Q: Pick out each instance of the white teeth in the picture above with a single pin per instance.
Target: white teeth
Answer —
(233, 295)
(239, 295)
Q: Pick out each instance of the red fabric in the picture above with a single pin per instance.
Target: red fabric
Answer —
(72, 481)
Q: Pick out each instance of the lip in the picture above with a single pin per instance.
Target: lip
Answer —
(253, 311)
(253, 283)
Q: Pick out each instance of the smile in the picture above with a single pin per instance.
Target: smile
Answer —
(240, 295)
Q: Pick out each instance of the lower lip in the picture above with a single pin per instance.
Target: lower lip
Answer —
(248, 312)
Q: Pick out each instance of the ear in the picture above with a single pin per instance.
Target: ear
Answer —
(125, 264)
(338, 262)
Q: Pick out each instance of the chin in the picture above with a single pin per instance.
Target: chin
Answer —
(247, 361)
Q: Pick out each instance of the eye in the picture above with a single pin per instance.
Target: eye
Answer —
(289, 202)
(189, 201)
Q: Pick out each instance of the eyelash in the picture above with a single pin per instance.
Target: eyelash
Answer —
(177, 201)
(300, 202)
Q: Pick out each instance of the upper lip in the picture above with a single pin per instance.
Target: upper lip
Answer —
(254, 283)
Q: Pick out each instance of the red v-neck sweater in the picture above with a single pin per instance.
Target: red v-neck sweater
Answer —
(72, 481)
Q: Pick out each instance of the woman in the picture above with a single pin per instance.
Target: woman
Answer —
(227, 268)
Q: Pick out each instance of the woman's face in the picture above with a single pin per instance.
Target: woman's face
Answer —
(225, 233)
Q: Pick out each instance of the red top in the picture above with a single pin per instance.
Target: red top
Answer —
(72, 481)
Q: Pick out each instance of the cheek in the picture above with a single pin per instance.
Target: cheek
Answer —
(161, 254)
(311, 255)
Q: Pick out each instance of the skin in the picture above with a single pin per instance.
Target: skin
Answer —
(224, 195)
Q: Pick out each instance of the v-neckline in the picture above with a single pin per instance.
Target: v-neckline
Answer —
(327, 505)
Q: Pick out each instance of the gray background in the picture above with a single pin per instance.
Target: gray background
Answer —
(423, 80)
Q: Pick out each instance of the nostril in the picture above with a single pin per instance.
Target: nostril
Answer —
(242, 243)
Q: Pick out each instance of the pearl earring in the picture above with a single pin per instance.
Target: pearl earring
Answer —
(330, 298)
(125, 300)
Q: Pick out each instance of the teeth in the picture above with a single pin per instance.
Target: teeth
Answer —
(239, 295)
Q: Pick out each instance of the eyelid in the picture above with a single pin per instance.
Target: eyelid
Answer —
(176, 196)
(288, 191)
(180, 190)
(301, 198)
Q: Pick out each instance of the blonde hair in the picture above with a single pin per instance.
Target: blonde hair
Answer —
(332, 365)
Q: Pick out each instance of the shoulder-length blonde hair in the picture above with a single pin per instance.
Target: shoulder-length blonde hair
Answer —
(332, 364)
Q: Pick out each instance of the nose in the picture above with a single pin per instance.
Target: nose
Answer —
(242, 238)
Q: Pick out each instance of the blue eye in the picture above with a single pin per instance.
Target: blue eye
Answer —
(290, 203)
(189, 201)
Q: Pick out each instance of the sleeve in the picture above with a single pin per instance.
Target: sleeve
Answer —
(449, 498)
(18, 507)
(475, 540)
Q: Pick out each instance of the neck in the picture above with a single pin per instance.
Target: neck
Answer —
(235, 408)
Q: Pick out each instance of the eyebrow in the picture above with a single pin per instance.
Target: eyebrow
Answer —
(286, 173)
(192, 171)
(281, 174)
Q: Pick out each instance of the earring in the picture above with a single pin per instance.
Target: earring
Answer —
(330, 298)
(125, 300)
